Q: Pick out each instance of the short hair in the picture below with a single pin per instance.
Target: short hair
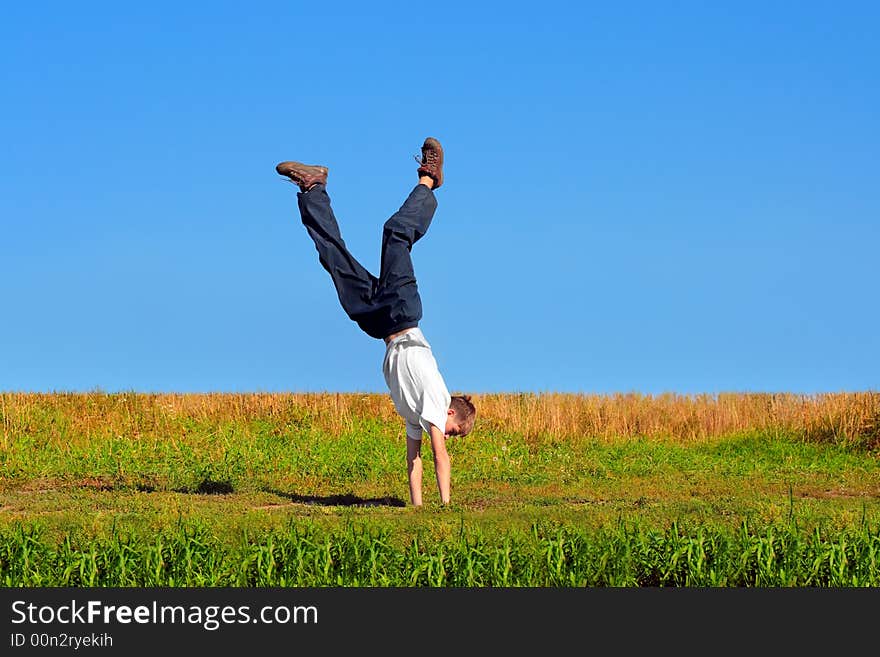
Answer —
(465, 413)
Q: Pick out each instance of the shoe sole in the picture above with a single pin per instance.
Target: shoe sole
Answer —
(284, 168)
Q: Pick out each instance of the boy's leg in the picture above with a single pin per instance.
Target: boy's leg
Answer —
(354, 284)
(408, 225)
(391, 303)
(397, 287)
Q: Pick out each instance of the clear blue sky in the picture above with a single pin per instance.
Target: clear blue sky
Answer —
(649, 197)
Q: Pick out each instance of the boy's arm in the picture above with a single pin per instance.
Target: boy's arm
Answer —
(441, 463)
(414, 469)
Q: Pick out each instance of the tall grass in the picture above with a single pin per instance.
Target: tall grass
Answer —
(547, 555)
(828, 417)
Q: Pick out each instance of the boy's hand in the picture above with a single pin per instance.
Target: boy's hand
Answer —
(441, 463)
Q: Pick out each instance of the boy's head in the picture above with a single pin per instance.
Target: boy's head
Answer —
(460, 416)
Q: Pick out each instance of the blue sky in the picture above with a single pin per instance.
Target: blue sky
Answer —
(640, 197)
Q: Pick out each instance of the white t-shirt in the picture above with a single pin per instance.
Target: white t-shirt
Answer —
(417, 389)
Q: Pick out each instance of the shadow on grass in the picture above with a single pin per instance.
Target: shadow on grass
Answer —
(212, 487)
(209, 487)
(346, 499)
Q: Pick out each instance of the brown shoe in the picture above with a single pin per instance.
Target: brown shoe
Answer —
(431, 164)
(304, 175)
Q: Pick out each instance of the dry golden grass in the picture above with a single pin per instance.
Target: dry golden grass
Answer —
(835, 417)
(822, 417)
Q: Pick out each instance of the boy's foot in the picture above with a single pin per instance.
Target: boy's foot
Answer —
(431, 164)
(304, 175)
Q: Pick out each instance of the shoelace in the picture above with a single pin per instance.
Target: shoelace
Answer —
(427, 159)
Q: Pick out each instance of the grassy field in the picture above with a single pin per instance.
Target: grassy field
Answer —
(549, 490)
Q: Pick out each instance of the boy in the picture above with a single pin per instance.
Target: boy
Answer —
(389, 308)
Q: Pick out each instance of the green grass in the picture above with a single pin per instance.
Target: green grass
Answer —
(301, 554)
(281, 501)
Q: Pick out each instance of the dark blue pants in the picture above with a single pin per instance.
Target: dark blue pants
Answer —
(380, 306)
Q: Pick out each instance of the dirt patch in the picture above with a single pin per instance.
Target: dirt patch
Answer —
(837, 494)
(41, 486)
(583, 501)
(94, 483)
(104, 484)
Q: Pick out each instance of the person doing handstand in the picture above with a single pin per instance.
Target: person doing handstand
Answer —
(389, 308)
